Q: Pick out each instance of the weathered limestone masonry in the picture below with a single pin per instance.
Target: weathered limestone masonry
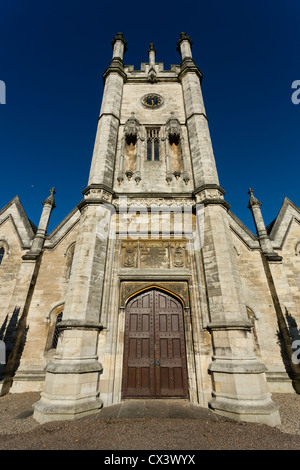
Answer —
(239, 383)
(151, 287)
(72, 378)
(23, 290)
(278, 283)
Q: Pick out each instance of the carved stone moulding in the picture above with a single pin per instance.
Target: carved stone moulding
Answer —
(151, 202)
(159, 254)
(209, 191)
(177, 288)
(100, 192)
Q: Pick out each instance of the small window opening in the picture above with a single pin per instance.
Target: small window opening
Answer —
(149, 150)
(156, 150)
(2, 253)
(56, 331)
(153, 144)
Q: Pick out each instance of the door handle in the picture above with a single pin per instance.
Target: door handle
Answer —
(151, 362)
(157, 363)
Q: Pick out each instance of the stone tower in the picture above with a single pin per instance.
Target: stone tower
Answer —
(155, 304)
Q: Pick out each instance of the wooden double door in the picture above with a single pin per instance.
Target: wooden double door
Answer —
(154, 350)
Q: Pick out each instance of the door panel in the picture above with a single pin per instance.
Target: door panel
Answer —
(154, 349)
(138, 348)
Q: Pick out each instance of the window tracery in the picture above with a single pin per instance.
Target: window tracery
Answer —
(153, 140)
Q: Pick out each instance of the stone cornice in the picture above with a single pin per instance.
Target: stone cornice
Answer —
(210, 193)
(145, 79)
(229, 325)
(80, 367)
(195, 114)
(92, 202)
(154, 195)
(273, 257)
(95, 186)
(220, 202)
(116, 66)
(31, 256)
(96, 194)
(80, 324)
(189, 66)
(208, 186)
(243, 366)
(109, 114)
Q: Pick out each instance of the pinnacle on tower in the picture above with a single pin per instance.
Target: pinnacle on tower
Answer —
(119, 46)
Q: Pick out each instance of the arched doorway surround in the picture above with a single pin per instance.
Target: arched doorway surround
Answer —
(154, 360)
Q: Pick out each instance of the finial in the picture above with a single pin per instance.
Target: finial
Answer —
(50, 199)
(183, 37)
(253, 201)
(119, 37)
(151, 48)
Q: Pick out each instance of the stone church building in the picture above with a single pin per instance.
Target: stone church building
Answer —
(151, 287)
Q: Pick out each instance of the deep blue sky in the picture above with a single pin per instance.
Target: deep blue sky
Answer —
(53, 55)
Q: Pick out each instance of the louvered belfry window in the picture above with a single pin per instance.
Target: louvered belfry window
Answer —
(153, 144)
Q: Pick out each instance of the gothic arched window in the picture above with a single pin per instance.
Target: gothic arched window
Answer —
(2, 253)
(56, 330)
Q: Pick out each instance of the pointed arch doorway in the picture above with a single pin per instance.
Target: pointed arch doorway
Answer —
(154, 363)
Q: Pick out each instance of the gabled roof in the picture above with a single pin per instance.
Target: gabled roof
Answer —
(279, 228)
(240, 229)
(65, 226)
(24, 228)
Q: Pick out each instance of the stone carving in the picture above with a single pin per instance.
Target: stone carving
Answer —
(152, 202)
(173, 128)
(174, 138)
(152, 75)
(129, 255)
(128, 288)
(179, 257)
(130, 159)
(209, 193)
(153, 254)
(97, 193)
(131, 129)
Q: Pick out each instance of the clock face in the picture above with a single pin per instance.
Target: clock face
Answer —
(152, 101)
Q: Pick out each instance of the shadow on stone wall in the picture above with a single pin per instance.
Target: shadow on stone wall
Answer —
(293, 332)
(292, 326)
(8, 333)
